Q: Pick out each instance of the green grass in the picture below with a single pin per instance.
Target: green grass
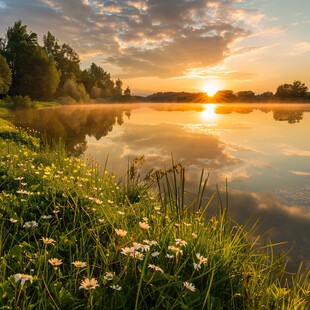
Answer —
(6, 110)
(84, 207)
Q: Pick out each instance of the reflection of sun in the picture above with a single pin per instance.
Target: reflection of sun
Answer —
(211, 88)
(209, 114)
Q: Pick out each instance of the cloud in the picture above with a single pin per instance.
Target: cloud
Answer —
(301, 173)
(142, 38)
(294, 151)
(300, 48)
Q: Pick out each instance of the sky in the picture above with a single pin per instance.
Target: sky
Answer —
(179, 45)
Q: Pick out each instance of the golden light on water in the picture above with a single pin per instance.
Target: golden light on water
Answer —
(211, 88)
(209, 113)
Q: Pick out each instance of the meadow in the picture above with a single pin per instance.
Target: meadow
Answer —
(74, 237)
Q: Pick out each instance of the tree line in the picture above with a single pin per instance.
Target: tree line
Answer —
(295, 92)
(51, 71)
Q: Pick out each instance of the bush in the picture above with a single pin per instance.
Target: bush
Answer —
(20, 102)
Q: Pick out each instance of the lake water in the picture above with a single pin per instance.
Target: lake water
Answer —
(262, 150)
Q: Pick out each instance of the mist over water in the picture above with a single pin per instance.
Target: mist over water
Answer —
(262, 150)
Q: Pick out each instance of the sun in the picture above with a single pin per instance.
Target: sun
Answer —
(211, 88)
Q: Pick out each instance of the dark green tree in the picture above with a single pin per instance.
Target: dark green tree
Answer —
(103, 80)
(66, 59)
(297, 90)
(34, 74)
(5, 76)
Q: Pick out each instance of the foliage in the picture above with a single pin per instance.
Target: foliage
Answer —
(5, 76)
(54, 207)
(297, 90)
(20, 102)
(33, 73)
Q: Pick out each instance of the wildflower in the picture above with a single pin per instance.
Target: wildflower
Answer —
(48, 241)
(194, 236)
(21, 191)
(120, 232)
(101, 220)
(156, 268)
(109, 276)
(155, 254)
(169, 256)
(18, 178)
(176, 250)
(127, 250)
(121, 213)
(46, 217)
(145, 219)
(157, 208)
(116, 287)
(79, 264)
(189, 286)
(197, 266)
(31, 224)
(89, 284)
(55, 261)
(144, 225)
(187, 224)
(150, 242)
(176, 224)
(13, 220)
(137, 255)
(180, 242)
(202, 260)
(22, 278)
(141, 246)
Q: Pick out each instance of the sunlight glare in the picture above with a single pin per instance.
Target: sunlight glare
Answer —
(209, 113)
(211, 88)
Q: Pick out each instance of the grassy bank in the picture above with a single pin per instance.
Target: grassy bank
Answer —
(7, 112)
(72, 237)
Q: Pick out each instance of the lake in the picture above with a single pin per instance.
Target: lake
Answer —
(262, 149)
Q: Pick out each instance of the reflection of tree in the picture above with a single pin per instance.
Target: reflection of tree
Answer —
(72, 124)
(291, 117)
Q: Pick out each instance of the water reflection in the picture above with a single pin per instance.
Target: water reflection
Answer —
(263, 151)
(73, 124)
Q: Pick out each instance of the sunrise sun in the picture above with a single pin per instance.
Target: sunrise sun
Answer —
(211, 88)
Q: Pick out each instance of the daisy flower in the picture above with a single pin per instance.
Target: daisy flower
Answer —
(22, 278)
(144, 225)
(189, 286)
(79, 264)
(156, 268)
(55, 261)
(120, 232)
(89, 284)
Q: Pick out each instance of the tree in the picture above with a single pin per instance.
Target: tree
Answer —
(118, 90)
(224, 96)
(127, 92)
(34, 74)
(66, 59)
(296, 90)
(5, 76)
(246, 96)
(103, 79)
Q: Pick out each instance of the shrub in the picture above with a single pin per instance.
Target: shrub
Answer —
(20, 102)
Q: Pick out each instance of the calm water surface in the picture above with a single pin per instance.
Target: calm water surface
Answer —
(262, 150)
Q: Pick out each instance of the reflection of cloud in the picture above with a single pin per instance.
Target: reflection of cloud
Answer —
(186, 147)
(301, 173)
(294, 151)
